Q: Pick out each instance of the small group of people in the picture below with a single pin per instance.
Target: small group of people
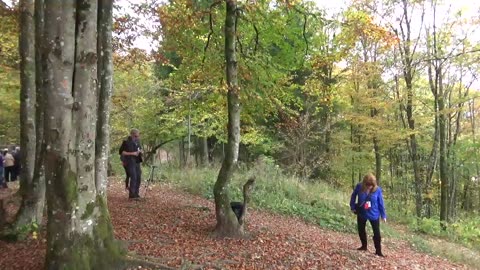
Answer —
(367, 203)
(9, 166)
(131, 156)
(366, 200)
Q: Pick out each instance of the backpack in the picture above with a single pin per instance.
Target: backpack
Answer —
(122, 147)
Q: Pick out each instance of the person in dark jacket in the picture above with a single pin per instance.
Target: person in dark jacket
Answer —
(17, 166)
(133, 157)
(369, 206)
(3, 183)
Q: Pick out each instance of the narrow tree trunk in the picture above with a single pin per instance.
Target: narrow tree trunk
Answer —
(442, 129)
(434, 153)
(376, 147)
(465, 197)
(413, 146)
(27, 93)
(474, 139)
(79, 231)
(105, 84)
(32, 184)
(181, 153)
(227, 223)
(204, 150)
(408, 71)
(353, 156)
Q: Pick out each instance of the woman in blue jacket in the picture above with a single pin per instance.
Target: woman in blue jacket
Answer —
(369, 206)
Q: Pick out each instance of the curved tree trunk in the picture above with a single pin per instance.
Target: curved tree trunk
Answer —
(227, 223)
(79, 231)
(32, 183)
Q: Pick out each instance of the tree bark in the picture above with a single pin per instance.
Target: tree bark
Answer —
(27, 92)
(203, 145)
(439, 96)
(32, 184)
(105, 84)
(227, 223)
(79, 231)
(442, 129)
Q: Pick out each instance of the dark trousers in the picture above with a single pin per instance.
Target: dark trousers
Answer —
(362, 233)
(3, 183)
(135, 174)
(16, 172)
(127, 176)
(10, 173)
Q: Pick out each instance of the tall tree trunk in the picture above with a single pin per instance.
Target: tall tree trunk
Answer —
(105, 85)
(442, 129)
(408, 72)
(474, 139)
(27, 92)
(442, 120)
(434, 153)
(32, 184)
(227, 223)
(79, 231)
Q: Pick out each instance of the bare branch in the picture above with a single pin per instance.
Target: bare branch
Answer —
(210, 33)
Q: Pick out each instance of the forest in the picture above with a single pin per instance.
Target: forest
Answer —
(302, 96)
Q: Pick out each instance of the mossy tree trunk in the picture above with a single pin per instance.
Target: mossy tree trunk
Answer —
(227, 223)
(32, 182)
(79, 231)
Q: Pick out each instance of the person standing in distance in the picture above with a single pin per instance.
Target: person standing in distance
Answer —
(369, 207)
(8, 164)
(133, 157)
(3, 184)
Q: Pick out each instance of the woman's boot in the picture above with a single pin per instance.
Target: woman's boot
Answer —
(363, 239)
(377, 241)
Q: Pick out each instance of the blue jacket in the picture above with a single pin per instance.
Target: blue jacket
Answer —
(377, 209)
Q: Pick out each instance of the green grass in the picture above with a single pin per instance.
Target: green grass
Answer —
(316, 203)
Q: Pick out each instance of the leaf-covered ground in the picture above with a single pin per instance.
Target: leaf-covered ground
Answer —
(172, 228)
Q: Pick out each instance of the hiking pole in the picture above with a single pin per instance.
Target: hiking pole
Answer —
(150, 179)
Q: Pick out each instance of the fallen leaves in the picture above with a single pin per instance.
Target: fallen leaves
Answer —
(173, 228)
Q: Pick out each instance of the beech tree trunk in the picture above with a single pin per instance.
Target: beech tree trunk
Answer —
(79, 231)
(105, 85)
(32, 182)
(227, 223)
